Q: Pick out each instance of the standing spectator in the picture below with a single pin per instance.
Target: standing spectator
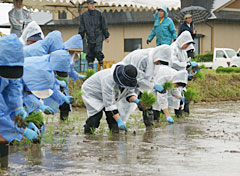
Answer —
(18, 17)
(187, 26)
(163, 28)
(93, 24)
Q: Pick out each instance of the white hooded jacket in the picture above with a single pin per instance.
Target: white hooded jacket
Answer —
(101, 91)
(179, 56)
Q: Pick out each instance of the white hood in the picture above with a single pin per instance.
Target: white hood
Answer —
(162, 53)
(180, 77)
(184, 38)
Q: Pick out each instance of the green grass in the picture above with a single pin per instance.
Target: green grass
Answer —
(228, 70)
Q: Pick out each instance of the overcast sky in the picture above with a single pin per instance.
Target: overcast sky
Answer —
(4, 9)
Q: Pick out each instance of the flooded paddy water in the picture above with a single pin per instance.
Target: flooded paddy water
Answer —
(206, 143)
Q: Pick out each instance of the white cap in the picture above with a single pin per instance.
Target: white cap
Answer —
(180, 77)
(43, 93)
(162, 53)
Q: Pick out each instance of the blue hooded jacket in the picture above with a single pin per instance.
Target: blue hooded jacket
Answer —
(165, 32)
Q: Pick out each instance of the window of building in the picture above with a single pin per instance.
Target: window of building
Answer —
(132, 44)
(62, 15)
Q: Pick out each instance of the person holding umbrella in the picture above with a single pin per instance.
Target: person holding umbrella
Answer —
(187, 25)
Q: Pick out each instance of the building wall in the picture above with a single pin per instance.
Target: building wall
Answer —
(225, 35)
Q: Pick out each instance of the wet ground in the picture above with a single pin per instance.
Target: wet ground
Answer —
(206, 143)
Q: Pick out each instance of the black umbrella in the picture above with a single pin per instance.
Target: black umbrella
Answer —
(199, 14)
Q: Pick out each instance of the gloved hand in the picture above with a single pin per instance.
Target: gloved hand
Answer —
(67, 99)
(30, 134)
(121, 124)
(193, 64)
(158, 88)
(183, 99)
(189, 77)
(21, 112)
(170, 119)
(63, 84)
(196, 70)
(140, 105)
(148, 41)
(46, 109)
(33, 127)
(83, 77)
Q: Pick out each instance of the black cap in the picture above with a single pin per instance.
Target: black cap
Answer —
(62, 74)
(11, 72)
(126, 76)
(35, 37)
(91, 2)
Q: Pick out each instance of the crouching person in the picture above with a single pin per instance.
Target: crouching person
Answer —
(103, 90)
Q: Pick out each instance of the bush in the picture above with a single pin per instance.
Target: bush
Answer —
(228, 70)
(203, 57)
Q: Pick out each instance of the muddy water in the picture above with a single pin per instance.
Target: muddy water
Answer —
(206, 143)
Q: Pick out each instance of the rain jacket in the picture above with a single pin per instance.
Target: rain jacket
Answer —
(31, 29)
(143, 60)
(165, 31)
(33, 81)
(101, 91)
(75, 42)
(52, 42)
(10, 90)
(93, 24)
(23, 16)
(184, 27)
(179, 56)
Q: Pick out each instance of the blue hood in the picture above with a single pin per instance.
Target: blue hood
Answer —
(11, 51)
(60, 60)
(75, 42)
(53, 41)
(37, 75)
(155, 15)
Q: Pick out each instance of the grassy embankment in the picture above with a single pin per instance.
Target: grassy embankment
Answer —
(212, 87)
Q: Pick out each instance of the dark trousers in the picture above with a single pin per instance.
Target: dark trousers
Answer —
(157, 114)
(95, 51)
(94, 122)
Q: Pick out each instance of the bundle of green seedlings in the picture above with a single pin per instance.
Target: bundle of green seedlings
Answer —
(147, 99)
(200, 75)
(167, 86)
(36, 118)
(191, 94)
(89, 73)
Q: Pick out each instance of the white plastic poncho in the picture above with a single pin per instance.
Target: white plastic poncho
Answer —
(143, 60)
(175, 95)
(163, 74)
(179, 56)
(101, 91)
(31, 29)
(23, 16)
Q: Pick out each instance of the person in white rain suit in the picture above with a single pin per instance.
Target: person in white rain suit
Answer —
(179, 79)
(145, 60)
(31, 34)
(18, 17)
(179, 54)
(103, 90)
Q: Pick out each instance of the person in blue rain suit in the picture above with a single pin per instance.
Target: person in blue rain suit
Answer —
(72, 45)
(52, 42)
(37, 86)
(11, 103)
(163, 28)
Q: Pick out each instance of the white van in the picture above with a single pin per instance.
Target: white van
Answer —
(225, 57)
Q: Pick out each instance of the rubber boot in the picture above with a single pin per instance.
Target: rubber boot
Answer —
(148, 117)
(186, 108)
(64, 111)
(156, 114)
(101, 65)
(90, 65)
(4, 150)
(178, 113)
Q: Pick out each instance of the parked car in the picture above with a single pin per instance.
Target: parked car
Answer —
(224, 57)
